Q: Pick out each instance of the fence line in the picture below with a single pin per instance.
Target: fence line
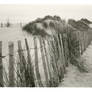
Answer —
(59, 51)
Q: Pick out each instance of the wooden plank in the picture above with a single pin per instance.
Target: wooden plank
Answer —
(44, 61)
(61, 57)
(31, 80)
(48, 64)
(38, 76)
(85, 37)
(62, 51)
(56, 53)
(1, 66)
(11, 65)
(53, 47)
(79, 38)
(81, 42)
(22, 66)
(60, 61)
(53, 63)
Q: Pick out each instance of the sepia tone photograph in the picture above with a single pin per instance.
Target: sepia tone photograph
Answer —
(45, 45)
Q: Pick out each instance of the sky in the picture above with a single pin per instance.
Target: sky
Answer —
(29, 12)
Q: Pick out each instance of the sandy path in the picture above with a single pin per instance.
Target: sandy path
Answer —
(74, 78)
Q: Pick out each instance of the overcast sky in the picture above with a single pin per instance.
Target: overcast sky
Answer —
(26, 13)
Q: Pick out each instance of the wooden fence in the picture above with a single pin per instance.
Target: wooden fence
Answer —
(57, 53)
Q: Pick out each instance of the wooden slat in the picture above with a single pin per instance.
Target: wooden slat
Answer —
(62, 51)
(59, 62)
(53, 62)
(30, 67)
(48, 64)
(22, 66)
(38, 76)
(1, 66)
(44, 61)
(11, 65)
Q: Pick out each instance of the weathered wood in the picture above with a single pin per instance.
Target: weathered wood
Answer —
(56, 52)
(53, 63)
(54, 56)
(31, 81)
(38, 76)
(62, 50)
(79, 38)
(22, 66)
(48, 64)
(84, 41)
(44, 61)
(81, 43)
(11, 65)
(53, 74)
(1, 66)
(60, 59)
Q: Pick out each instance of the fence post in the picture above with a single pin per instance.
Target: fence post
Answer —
(36, 64)
(60, 59)
(56, 53)
(1, 66)
(65, 47)
(22, 66)
(62, 49)
(85, 40)
(62, 55)
(48, 64)
(44, 61)
(53, 63)
(79, 38)
(30, 67)
(11, 65)
(81, 42)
